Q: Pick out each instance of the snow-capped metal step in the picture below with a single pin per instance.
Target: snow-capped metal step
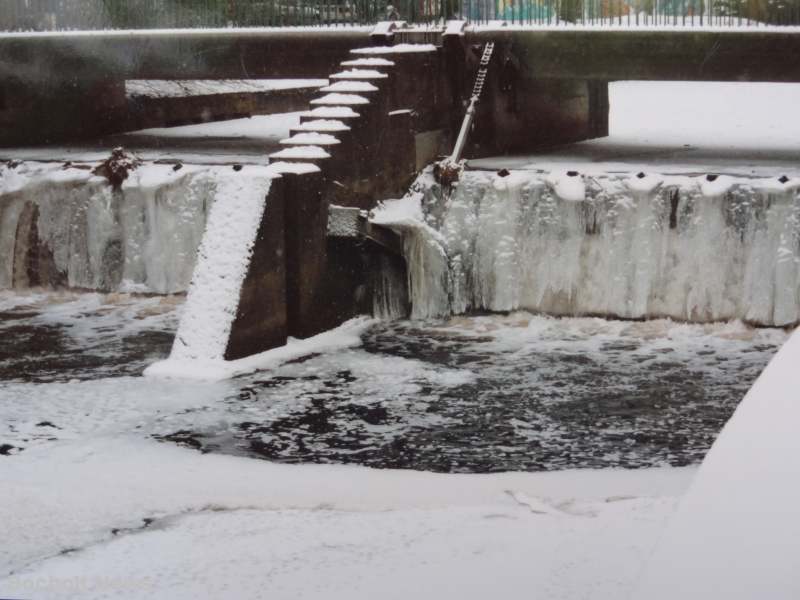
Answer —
(350, 87)
(331, 112)
(300, 153)
(310, 138)
(323, 126)
(358, 75)
(368, 62)
(340, 100)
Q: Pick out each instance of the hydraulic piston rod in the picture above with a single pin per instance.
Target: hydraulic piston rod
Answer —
(469, 117)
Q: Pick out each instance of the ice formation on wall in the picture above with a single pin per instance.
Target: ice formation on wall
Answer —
(66, 227)
(633, 246)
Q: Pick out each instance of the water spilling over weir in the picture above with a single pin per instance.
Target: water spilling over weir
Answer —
(696, 249)
(690, 248)
(65, 227)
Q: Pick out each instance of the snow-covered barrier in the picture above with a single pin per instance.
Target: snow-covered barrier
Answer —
(65, 227)
(634, 246)
(237, 228)
(736, 534)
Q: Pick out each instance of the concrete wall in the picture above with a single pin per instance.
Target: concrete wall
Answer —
(261, 320)
(60, 110)
(145, 112)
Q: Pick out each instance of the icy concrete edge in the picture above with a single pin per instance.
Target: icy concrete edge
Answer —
(736, 533)
(347, 335)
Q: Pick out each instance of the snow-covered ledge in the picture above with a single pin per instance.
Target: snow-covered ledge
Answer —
(736, 534)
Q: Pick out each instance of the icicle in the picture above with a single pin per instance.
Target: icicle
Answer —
(641, 246)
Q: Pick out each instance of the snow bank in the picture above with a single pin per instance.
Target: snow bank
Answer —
(737, 532)
(528, 527)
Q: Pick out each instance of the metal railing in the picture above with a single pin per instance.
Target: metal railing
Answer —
(55, 15)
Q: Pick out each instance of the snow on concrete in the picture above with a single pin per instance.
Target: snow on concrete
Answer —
(303, 152)
(567, 185)
(222, 263)
(331, 112)
(356, 87)
(644, 183)
(323, 125)
(357, 74)
(183, 365)
(387, 27)
(218, 32)
(736, 534)
(672, 127)
(367, 62)
(396, 49)
(256, 127)
(455, 27)
(311, 138)
(162, 88)
(296, 168)
(340, 100)
(713, 186)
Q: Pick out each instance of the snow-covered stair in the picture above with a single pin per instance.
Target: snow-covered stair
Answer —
(350, 128)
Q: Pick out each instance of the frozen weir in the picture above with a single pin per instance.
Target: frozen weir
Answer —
(63, 226)
(632, 246)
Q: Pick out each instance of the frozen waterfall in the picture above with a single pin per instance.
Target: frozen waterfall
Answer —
(633, 246)
(64, 227)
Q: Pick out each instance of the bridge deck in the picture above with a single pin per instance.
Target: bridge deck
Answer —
(702, 54)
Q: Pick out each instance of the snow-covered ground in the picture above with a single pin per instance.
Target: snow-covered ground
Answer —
(674, 127)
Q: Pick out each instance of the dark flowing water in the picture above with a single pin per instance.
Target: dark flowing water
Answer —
(471, 394)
